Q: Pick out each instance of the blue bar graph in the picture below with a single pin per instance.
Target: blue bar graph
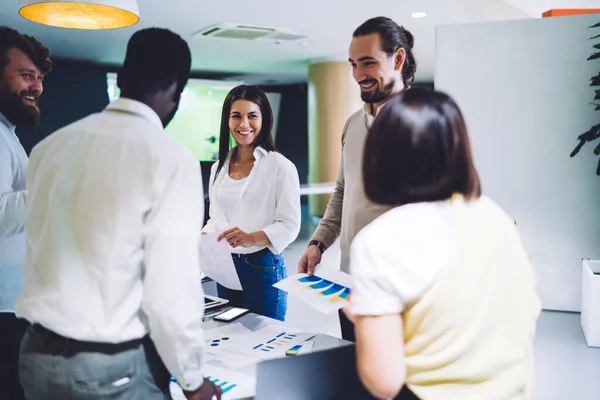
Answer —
(309, 278)
(319, 285)
(334, 289)
(224, 385)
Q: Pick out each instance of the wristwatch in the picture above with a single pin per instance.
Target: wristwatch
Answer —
(320, 245)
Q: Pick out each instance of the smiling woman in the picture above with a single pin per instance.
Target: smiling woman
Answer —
(254, 202)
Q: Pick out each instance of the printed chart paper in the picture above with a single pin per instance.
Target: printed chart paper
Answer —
(270, 342)
(216, 262)
(219, 341)
(218, 338)
(325, 291)
(234, 384)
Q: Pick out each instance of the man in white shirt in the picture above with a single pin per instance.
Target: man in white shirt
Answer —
(112, 276)
(23, 63)
(383, 65)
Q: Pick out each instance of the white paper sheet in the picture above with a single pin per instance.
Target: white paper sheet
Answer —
(216, 262)
(234, 384)
(325, 291)
(220, 340)
(232, 360)
(223, 336)
(270, 342)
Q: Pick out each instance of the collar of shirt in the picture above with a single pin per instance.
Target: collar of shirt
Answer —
(369, 117)
(11, 127)
(135, 107)
(259, 152)
(367, 108)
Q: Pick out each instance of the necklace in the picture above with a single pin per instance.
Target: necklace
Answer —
(240, 171)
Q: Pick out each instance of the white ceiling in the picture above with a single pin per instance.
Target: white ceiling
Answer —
(328, 25)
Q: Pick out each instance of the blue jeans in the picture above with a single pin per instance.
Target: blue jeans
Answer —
(258, 272)
(52, 367)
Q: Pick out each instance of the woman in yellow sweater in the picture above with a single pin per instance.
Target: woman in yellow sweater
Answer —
(444, 300)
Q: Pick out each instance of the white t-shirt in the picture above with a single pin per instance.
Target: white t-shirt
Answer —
(269, 201)
(228, 195)
(397, 257)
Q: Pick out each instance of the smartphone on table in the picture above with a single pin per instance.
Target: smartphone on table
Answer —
(231, 314)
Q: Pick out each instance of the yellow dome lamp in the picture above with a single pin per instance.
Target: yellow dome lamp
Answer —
(82, 14)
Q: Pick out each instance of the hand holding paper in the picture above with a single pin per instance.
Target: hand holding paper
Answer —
(216, 262)
(326, 291)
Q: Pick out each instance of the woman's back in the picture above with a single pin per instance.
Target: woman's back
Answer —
(470, 334)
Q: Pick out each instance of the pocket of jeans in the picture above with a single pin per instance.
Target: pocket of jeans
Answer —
(266, 262)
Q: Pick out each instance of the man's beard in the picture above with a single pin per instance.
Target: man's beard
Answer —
(19, 114)
(378, 95)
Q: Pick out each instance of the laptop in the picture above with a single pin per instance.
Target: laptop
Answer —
(212, 302)
(322, 375)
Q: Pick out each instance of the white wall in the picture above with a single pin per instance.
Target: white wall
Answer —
(523, 87)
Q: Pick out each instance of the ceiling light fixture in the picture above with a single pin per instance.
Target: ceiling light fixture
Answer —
(82, 14)
(418, 15)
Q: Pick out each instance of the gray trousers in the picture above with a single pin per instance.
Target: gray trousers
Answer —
(53, 367)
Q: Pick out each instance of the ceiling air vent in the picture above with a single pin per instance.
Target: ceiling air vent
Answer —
(246, 32)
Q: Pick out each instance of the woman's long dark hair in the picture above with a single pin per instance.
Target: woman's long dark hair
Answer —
(265, 138)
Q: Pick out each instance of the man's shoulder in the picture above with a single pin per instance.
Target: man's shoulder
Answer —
(358, 114)
(354, 123)
(357, 117)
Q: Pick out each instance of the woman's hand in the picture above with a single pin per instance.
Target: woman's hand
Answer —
(237, 238)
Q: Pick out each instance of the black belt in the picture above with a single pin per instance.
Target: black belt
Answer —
(257, 253)
(92, 347)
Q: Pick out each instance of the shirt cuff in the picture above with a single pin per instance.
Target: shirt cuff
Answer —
(275, 237)
(323, 237)
(193, 382)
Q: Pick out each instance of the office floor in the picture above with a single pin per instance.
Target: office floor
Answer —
(565, 368)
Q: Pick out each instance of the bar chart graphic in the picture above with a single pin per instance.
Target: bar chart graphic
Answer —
(234, 385)
(341, 296)
(321, 284)
(327, 290)
(324, 287)
(224, 385)
(309, 278)
(336, 288)
(219, 341)
(282, 339)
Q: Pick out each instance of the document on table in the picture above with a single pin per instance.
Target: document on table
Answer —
(234, 385)
(325, 291)
(216, 262)
(270, 342)
(235, 346)
(220, 340)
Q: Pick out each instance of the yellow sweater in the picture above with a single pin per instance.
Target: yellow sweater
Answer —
(470, 335)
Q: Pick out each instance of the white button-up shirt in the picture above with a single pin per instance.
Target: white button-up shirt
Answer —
(13, 166)
(269, 200)
(112, 224)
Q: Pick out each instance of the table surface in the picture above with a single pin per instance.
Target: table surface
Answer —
(254, 322)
